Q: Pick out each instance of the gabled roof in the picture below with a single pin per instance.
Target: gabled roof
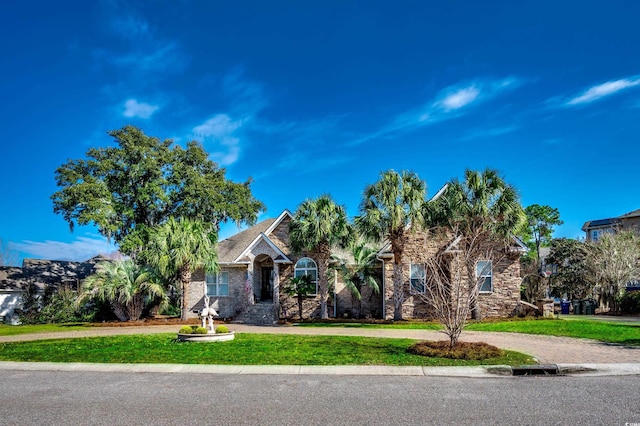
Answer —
(280, 256)
(231, 250)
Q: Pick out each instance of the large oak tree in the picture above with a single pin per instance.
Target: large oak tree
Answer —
(127, 189)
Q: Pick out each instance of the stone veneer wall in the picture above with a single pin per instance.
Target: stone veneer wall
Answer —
(421, 246)
(229, 306)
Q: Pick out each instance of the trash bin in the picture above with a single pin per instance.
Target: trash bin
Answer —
(589, 307)
(577, 307)
(564, 307)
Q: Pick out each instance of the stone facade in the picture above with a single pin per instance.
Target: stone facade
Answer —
(420, 247)
(228, 306)
(251, 255)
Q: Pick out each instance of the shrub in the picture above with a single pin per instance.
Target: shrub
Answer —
(462, 350)
(630, 302)
(186, 329)
(222, 329)
(200, 330)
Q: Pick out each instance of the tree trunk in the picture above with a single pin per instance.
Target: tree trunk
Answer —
(185, 279)
(398, 292)
(323, 283)
(300, 304)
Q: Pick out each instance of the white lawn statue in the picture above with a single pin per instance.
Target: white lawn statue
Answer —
(207, 314)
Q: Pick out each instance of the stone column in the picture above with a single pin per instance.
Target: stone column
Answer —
(276, 289)
(248, 286)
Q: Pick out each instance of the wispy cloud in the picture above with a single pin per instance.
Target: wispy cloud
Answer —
(218, 132)
(145, 50)
(81, 249)
(459, 98)
(451, 102)
(490, 133)
(603, 90)
(225, 133)
(129, 26)
(133, 108)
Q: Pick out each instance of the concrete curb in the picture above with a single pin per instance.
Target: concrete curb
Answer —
(493, 371)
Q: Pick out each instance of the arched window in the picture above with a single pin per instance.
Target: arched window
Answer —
(306, 266)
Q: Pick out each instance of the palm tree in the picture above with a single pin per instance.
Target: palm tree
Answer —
(359, 273)
(125, 286)
(317, 226)
(481, 210)
(388, 209)
(300, 287)
(178, 247)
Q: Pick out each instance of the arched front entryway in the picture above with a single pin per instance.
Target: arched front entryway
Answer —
(265, 279)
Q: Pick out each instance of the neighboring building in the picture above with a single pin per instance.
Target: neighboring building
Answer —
(44, 274)
(628, 221)
(257, 261)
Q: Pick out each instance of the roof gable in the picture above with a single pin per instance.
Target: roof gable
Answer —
(233, 249)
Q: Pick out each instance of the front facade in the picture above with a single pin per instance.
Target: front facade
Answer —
(498, 278)
(257, 262)
(596, 228)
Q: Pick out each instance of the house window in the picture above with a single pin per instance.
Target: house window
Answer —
(595, 234)
(307, 266)
(218, 284)
(484, 273)
(418, 277)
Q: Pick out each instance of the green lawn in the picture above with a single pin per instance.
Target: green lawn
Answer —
(246, 349)
(603, 331)
(625, 334)
(11, 330)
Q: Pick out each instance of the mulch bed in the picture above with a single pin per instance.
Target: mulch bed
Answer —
(462, 350)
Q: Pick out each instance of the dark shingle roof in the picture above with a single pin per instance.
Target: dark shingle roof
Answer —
(229, 249)
(47, 272)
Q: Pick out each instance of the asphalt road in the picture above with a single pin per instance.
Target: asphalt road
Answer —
(90, 398)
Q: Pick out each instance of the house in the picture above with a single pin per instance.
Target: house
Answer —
(256, 262)
(44, 275)
(498, 277)
(628, 221)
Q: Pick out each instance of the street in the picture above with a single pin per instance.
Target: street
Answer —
(89, 398)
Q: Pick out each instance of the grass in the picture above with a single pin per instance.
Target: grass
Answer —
(625, 334)
(12, 330)
(246, 349)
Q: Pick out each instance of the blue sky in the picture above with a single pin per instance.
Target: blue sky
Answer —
(321, 96)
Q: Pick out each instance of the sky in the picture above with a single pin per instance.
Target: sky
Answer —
(319, 97)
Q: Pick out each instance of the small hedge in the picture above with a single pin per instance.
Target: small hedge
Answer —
(222, 329)
(186, 329)
(462, 350)
(200, 330)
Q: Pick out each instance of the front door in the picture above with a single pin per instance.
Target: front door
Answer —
(266, 293)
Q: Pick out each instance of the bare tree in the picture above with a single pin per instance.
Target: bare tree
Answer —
(614, 261)
(7, 256)
(454, 277)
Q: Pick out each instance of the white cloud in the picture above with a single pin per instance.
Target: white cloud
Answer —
(602, 90)
(81, 249)
(451, 102)
(459, 98)
(133, 108)
(219, 131)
